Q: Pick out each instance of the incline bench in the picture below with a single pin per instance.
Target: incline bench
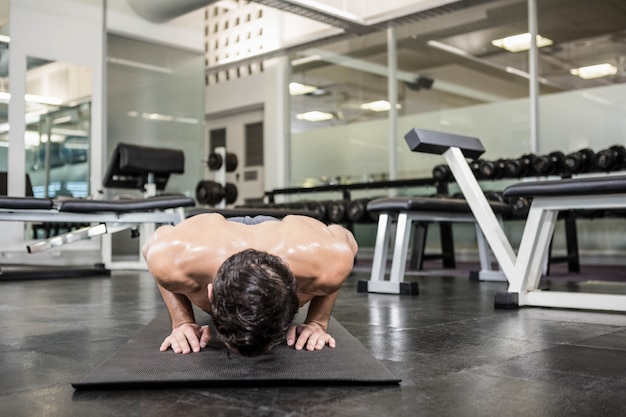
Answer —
(523, 270)
(132, 166)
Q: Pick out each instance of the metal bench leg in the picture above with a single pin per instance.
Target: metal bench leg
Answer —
(377, 282)
(379, 263)
(416, 263)
(486, 272)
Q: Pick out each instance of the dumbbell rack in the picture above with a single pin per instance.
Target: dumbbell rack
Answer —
(218, 192)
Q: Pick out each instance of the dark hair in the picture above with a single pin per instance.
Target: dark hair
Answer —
(254, 302)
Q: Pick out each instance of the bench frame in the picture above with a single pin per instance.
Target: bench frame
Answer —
(523, 270)
(102, 224)
(403, 221)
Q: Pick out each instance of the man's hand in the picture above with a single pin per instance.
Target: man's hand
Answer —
(187, 338)
(309, 335)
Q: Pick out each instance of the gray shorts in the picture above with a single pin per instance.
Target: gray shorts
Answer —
(249, 220)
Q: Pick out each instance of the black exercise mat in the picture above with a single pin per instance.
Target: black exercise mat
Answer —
(140, 364)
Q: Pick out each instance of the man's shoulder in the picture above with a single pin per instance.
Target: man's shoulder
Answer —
(302, 219)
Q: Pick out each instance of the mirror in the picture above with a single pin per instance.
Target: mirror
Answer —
(58, 113)
(56, 139)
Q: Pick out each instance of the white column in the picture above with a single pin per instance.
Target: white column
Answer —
(533, 81)
(392, 91)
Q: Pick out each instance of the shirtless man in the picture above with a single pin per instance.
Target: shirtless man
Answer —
(251, 275)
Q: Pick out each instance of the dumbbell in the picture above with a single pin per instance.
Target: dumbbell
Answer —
(475, 167)
(317, 207)
(230, 193)
(521, 167)
(211, 192)
(492, 169)
(215, 162)
(357, 211)
(494, 196)
(442, 173)
(550, 164)
(337, 211)
(611, 159)
(579, 161)
(520, 206)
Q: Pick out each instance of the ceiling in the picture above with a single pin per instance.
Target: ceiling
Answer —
(354, 65)
(470, 70)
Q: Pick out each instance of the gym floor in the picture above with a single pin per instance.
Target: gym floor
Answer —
(456, 355)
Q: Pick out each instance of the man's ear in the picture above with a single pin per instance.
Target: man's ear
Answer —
(210, 291)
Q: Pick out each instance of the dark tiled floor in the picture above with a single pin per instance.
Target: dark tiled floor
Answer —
(457, 356)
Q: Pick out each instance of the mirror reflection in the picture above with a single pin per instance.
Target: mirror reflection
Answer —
(57, 128)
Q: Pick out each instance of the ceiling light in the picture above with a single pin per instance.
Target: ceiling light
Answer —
(520, 42)
(32, 98)
(314, 116)
(297, 89)
(380, 105)
(139, 65)
(5, 38)
(157, 116)
(594, 71)
(317, 6)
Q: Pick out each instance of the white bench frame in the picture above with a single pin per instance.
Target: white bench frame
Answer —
(523, 270)
(102, 223)
(403, 222)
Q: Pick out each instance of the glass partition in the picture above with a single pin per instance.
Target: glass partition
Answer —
(58, 121)
(463, 72)
(4, 84)
(57, 153)
(155, 97)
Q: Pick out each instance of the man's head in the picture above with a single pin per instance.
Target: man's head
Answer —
(253, 301)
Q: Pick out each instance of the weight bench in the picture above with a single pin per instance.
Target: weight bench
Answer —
(523, 269)
(403, 212)
(137, 167)
(111, 216)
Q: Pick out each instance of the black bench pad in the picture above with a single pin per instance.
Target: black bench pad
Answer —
(243, 211)
(124, 206)
(568, 187)
(429, 204)
(25, 203)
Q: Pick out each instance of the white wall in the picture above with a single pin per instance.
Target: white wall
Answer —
(269, 91)
(60, 30)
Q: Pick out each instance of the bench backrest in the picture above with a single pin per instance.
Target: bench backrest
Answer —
(131, 165)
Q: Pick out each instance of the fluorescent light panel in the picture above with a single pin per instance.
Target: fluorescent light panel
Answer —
(329, 10)
(521, 42)
(297, 89)
(314, 116)
(379, 105)
(53, 101)
(594, 71)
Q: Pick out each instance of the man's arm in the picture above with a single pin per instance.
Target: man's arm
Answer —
(186, 336)
(312, 334)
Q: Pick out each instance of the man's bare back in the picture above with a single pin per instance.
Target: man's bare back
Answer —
(184, 261)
